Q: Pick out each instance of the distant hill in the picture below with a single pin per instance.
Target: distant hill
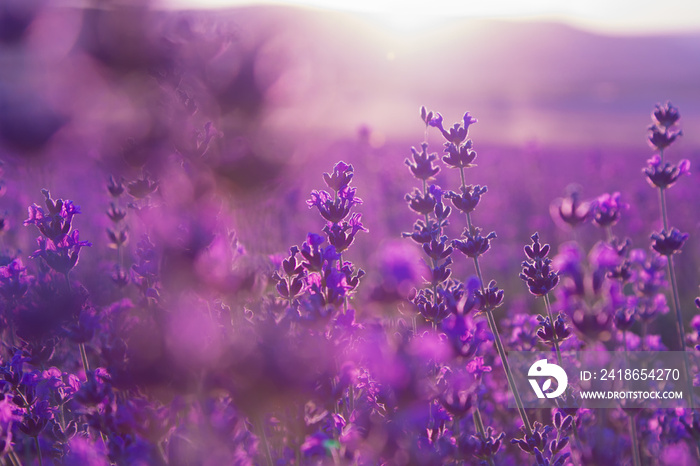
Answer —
(525, 81)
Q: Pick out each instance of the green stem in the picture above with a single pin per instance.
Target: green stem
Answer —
(479, 424)
(664, 215)
(84, 359)
(674, 291)
(260, 427)
(501, 351)
(680, 327)
(351, 399)
(12, 456)
(509, 374)
(635, 444)
(38, 450)
(548, 305)
(577, 439)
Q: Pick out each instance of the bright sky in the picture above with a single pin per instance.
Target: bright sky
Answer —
(614, 16)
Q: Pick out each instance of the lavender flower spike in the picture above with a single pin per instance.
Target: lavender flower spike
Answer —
(422, 165)
(458, 133)
(665, 176)
(668, 243)
(340, 178)
(607, 209)
(536, 272)
(666, 115)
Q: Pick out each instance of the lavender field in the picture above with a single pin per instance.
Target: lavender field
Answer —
(281, 236)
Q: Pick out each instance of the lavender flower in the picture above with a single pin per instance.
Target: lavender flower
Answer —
(420, 203)
(490, 298)
(422, 232)
(661, 138)
(459, 156)
(607, 209)
(548, 333)
(474, 245)
(14, 280)
(571, 209)
(537, 272)
(63, 255)
(340, 178)
(334, 209)
(56, 223)
(422, 164)
(665, 176)
(458, 133)
(665, 116)
(483, 447)
(141, 187)
(668, 243)
(115, 188)
(469, 199)
(342, 236)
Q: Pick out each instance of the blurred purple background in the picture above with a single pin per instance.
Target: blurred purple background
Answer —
(278, 94)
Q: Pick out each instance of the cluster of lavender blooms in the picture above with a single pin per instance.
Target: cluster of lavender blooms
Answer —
(183, 335)
(301, 371)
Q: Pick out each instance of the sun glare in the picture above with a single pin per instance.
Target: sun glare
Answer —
(622, 16)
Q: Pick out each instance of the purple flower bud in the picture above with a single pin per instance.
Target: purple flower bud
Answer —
(436, 249)
(477, 368)
(537, 272)
(115, 188)
(476, 245)
(665, 115)
(55, 224)
(458, 133)
(607, 209)
(422, 233)
(340, 178)
(536, 441)
(425, 115)
(290, 265)
(61, 256)
(457, 401)
(483, 446)
(440, 273)
(117, 238)
(536, 252)
(490, 298)
(419, 203)
(14, 281)
(624, 318)
(548, 333)
(459, 156)
(342, 236)
(571, 209)
(666, 243)
(115, 214)
(422, 165)
(334, 209)
(666, 176)
(469, 199)
(142, 187)
(661, 138)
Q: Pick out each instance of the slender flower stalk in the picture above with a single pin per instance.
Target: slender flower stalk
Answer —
(662, 175)
(550, 316)
(460, 155)
(541, 279)
(637, 461)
